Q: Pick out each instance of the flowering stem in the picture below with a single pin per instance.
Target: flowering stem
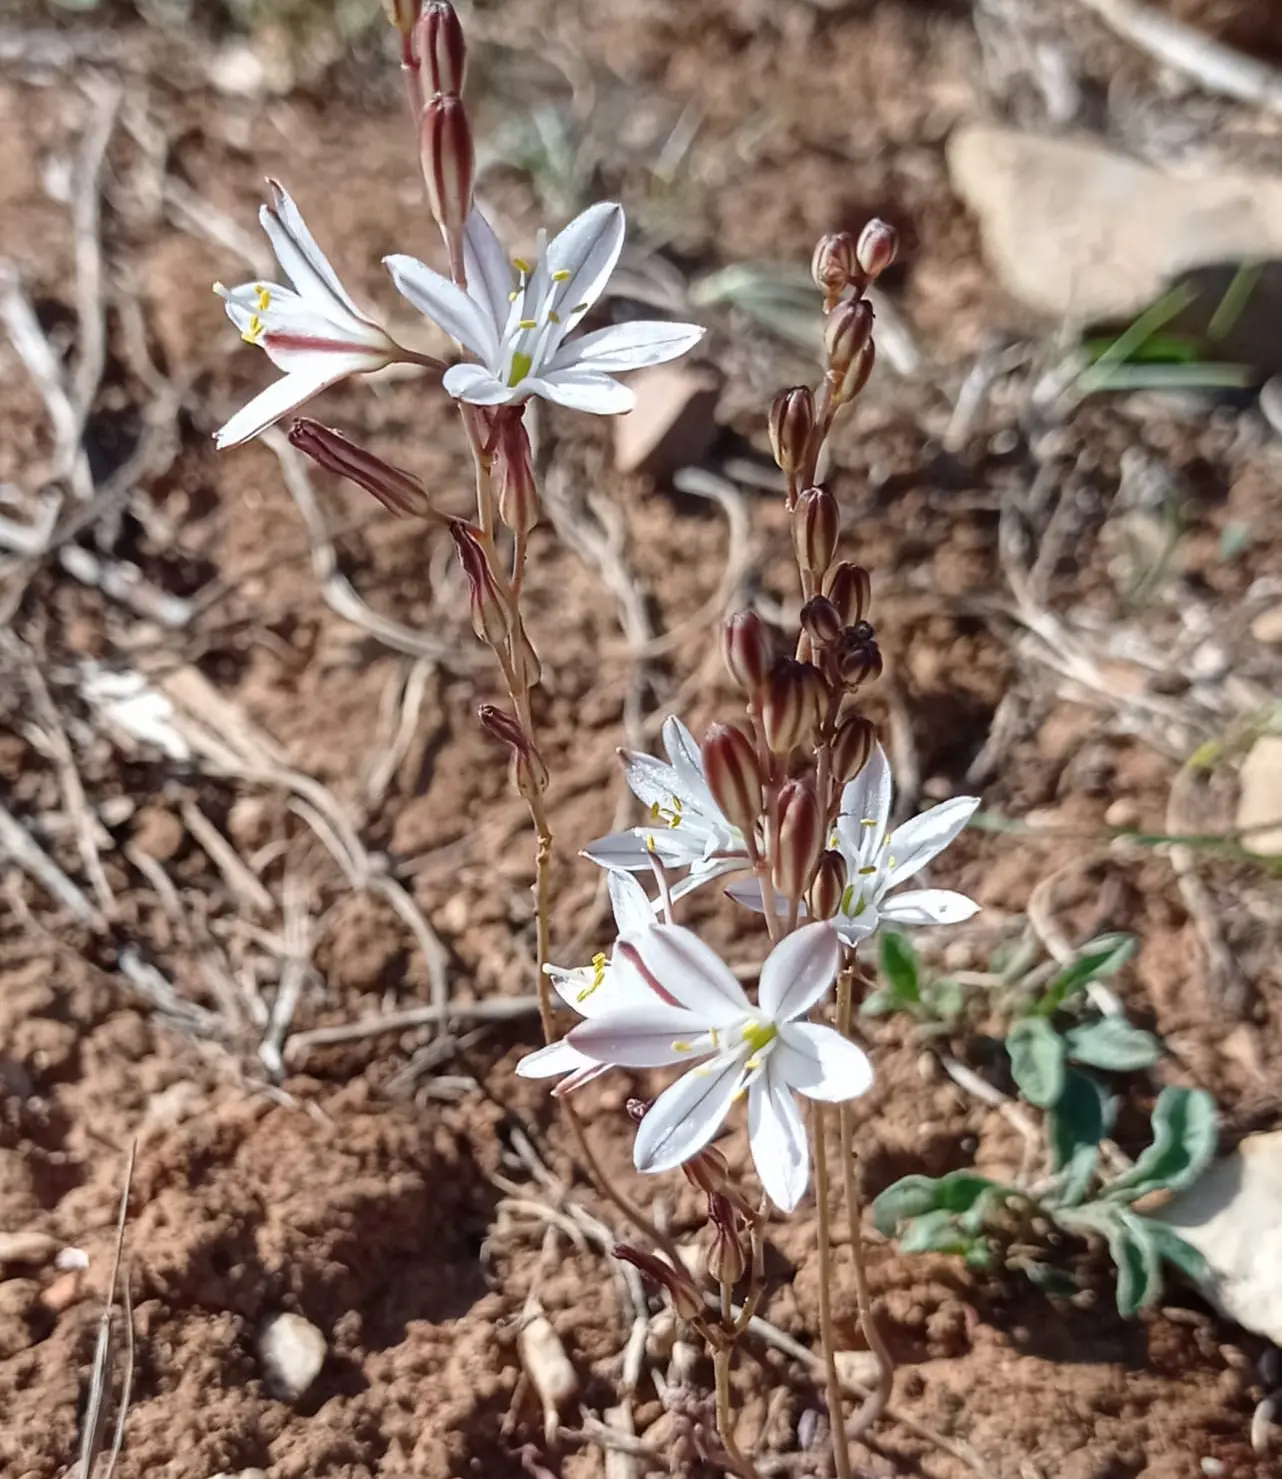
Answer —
(875, 1403)
(722, 1356)
(827, 1335)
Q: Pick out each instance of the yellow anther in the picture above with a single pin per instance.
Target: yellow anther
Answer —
(833, 840)
(580, 308)
(890, 862)
(649, 844)
(562, 276)
(655, 813)
(253, 330)
(513, 296)
(867, 872)
(598, 975)
(521, 265)
(868, 822)
(528, 323)
(553, 318)
(264, 298)
(681, 1046)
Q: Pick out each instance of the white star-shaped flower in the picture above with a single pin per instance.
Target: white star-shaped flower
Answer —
(313, 331)
(515, 316)
(766, 1051)
(687, 828)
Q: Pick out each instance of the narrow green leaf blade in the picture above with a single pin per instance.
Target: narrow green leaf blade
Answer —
(1099, 959)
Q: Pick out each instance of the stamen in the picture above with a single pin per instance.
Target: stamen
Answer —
(563, 275)
(264, 297)
(682, 1047)
(513, 295)
(522, 265)
(868, 872)
(868, 822)
(528, 323)
(598, 975)
(848, 899)
(649, 844)
(254, 330)
(553, 318)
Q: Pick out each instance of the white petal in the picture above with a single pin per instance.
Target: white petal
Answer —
(581, 390)
(619, 850)
(446, 304)
(818, 1062)
(928, 906)
(489, 273)
(475, 384)
(639, 1036)
(651, 781)
(798, 971)
(747, 891)
(705, 871)
(588, 250)
(777, 1138)
(693, 973)
(631, 904)
(856, 927)
(686, 1115)
(629, 346)
(283, 396)
(556, 1058)
(296, 250)
(867, 798)
(923, 837)
(687, 760)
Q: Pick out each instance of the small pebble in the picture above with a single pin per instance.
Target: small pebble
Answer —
(292, 1351)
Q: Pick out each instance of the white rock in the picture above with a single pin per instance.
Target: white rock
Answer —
(1077, 230)
(1260, 797)
(292, 1351)
(1267, 627)
(1233, 1216)
(857, 1371)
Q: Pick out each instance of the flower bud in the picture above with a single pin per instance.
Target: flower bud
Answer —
(398, 491)
(834, 263)
(878, 243)
(799, 839)
(745, 649)
(727, 1259)
(709, 1172)
(678, 1283)
(441, 49)
(512, 470)
(526, 659)
(795, 694)
(846, 387)
(851, 747)
(792, 421)
(847, 332)
(828, 886)
(849, 588)
(733, 774)
(448, 160)
(858, 657)
(530, 773)
(816, 527)
(820, 621)
(489, 613)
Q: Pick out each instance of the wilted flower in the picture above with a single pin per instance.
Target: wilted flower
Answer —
(515, 316)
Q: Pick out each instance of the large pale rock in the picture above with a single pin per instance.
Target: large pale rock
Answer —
(673, 422)
(1233, 1216)
(1076, 230)
(1260, 797)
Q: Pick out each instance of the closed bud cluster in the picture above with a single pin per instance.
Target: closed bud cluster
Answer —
(678, 1283)
(858, 656)
(512, 470)
(816, 527)
(834, 264)
(733, 774)
(793, 704)
(448, 160)
(792, 422)
(727, 1259)
(851, 747)
(441, 48)
(847, 333)
(878, 243)
(489, 614)
(828, 885)
(846, 387)
(820, 621)
(745, 649)
(399, 491)
(849, 588)
(799, 839)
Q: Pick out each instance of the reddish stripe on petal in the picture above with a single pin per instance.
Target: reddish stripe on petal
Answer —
(277, 340)
(634, 958)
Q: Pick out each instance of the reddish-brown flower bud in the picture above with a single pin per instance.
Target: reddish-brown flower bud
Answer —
(678, 1283)
(816, 527)
(512, 470)
(820, 621)
(733, 774)
(799, 839)
(529, 770)
(851, 747)
(448, 160)
(858, 657)
(489, 611)
(828, 886)
(745, 648)
(708, 1172)
(792, 421)
(727, 1258)
(441, 49)
(878, 243)
(397, 490)
(847, 331)
(794, 698)
(527, 659)
(846, 387)
(849, 588)
(834, 263)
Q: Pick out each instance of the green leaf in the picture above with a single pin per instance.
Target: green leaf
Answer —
(945, 999)
(1139, 1273)
(1049, 1280)
(879, 1003)
(1037, 1060)
(1184, 1137)
(1078, 1120)
(935, 1232)
(1099, 959)
(914, 1196)
(1114, 1044)
(899, 966)
(1174, 1250)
